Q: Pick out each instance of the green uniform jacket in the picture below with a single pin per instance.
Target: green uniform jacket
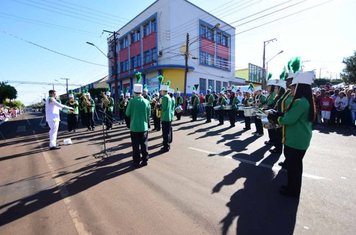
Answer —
(195, 101)
(139, 111)
(166, 108)
(222, 102)
(179, 100)
(270, 99)
(111, 105)
(173, 107)
(75, 106)
(298, 127)
(234, 103)
(209, 100)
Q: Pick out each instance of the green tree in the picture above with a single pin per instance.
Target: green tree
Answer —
(349, 72)
(7, 92)
(14, 104)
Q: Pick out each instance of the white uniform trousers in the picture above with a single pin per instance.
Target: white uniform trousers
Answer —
(53, 125)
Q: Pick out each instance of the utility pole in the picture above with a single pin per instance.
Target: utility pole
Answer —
(186, 57)
(66, 85)
(264, 82)
(116, 95)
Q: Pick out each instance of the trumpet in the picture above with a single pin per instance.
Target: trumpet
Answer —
(105, 100)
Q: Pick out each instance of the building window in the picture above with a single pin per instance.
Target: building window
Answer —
(124, 66)
(203, 58)
(136, 62)
(135, 36)
(225, 84)
(218, 38)
(150, 27)
(202, 85)
(203, 31)
(154, 55)
(150, 56)
(211, 84)
(210, 59)
(124, 43)
(218, 86)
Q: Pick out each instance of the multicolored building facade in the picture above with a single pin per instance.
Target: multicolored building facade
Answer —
(153, 43)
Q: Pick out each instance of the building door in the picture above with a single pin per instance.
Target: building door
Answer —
(202, 86)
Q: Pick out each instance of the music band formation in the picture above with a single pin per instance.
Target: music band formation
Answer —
(286, 111)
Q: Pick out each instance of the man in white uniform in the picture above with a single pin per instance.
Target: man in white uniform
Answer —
(53, 118)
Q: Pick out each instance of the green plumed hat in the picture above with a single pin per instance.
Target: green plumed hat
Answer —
(168, 83)
(160, 79)
(252, 87)
(269, 76)
(284, 74)
(196, 86)
(138, 76)
(294, 65)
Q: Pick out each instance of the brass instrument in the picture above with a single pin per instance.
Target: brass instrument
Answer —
(158, 108)
(105, 100)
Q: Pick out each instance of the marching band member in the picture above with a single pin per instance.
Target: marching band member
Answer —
(126, 101)
(145, 93)
(53, 118)
(234, 102)
(195, 101)
(247, 101)
(108, 105)
(173, 108)
(166, 108)
(209, 107)
(72, 116)
(298, 130)
(270, 105)
(121, 108)
(222, 102)
(139, 111)
(259, 101)
(156, 112)
(89, 109)
(179, 102)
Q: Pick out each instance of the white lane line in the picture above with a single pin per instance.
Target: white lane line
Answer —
(60, 183)
(274, 168)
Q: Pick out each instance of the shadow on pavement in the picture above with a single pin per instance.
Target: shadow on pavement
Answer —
(258, 207)
(88, 177)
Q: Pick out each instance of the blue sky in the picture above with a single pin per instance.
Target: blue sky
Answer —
(321, 36)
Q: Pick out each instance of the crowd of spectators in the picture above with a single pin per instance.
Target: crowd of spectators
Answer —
(336, 106)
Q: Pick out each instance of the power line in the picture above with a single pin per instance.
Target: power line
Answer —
(51, 50)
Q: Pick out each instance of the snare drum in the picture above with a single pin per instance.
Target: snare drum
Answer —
(266, 124)
(218, 107)
(249, 111)
(228, 107)
(240, 107)
(179, 109)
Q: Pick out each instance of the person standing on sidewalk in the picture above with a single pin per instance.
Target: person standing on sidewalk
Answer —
(139, 112)
(72, 116)
(53, 118)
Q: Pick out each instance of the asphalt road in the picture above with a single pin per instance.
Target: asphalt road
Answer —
(215, 180)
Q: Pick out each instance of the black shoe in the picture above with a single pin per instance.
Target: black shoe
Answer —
(208, 121)
(135, 165)
(144, 163)
(164, 149)
(220, 124)
(246, 129)
(268, 143)
(275, 151)
(54, 148)
(283, 165)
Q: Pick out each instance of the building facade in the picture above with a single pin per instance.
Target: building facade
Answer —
(153, 43)
(253, 74)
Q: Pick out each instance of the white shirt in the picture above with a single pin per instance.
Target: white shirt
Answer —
(341, 103)
(52, 109)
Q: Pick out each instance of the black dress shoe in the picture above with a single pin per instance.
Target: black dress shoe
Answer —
(164, 149)
(135, 165)
(54, 148)
(245, 128)
(283, 165)
(268, 143)
(144, 163)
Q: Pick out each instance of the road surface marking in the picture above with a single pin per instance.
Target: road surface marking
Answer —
(60, 183)
(274, 168)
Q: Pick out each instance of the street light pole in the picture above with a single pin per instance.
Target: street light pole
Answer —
(272, 59)
(116, 95)
(264, 82)
(186, 57)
